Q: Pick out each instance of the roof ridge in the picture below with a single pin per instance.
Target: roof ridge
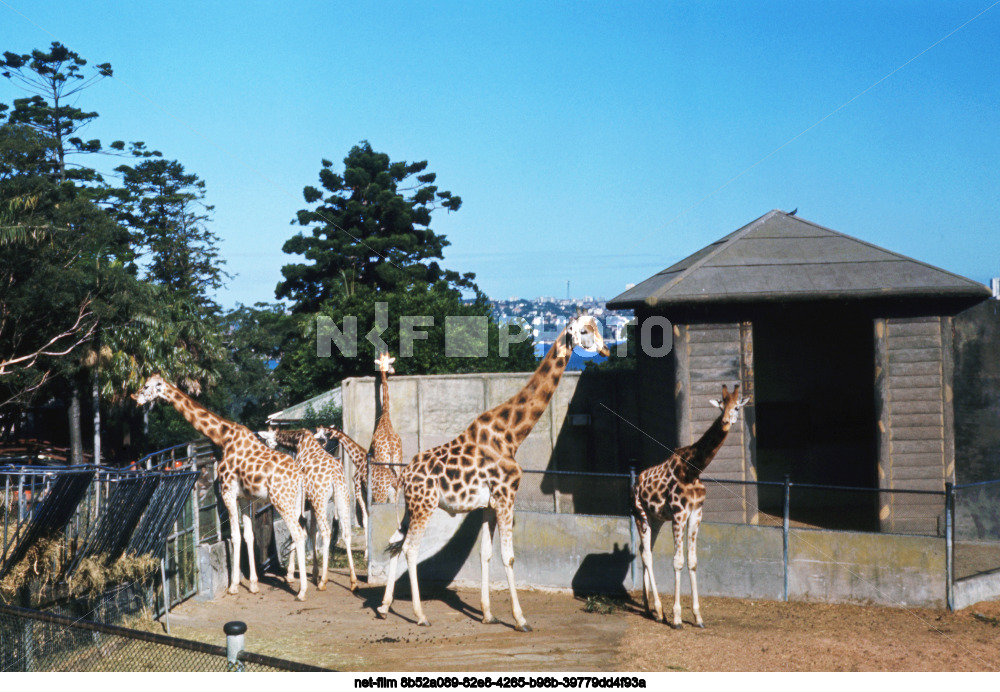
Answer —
(722, 243)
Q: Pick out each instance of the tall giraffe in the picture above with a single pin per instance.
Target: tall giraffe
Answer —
(674, 490)
(248, 467)
(324, 477)
(386, 447)
(384, 478)
(478, 470)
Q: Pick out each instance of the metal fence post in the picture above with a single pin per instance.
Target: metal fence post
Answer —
(786, 502)
(234, 641)
(631, 529)
(166, 589)
(949, 544)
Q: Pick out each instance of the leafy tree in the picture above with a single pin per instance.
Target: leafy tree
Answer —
(255, 338)
(372, 256)
(164, 206)
(370, 228)
(53, 79)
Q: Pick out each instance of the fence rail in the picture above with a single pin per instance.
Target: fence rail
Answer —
(966, 516)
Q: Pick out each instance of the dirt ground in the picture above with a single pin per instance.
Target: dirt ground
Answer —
(338, 629)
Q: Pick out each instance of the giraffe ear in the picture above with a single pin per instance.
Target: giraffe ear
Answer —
(716, 403)
(743, 402)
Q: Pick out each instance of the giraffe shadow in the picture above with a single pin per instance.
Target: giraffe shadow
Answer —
(604, 574)
(437, 571)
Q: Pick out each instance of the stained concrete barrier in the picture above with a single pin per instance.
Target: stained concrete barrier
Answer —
(591, 554)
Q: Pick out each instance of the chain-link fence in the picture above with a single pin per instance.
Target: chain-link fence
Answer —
(32, 641)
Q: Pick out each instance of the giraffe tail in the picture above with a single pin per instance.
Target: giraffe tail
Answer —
(395, 546)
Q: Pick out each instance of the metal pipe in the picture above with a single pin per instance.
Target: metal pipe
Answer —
(949, 544)
(784, 529)
(631, 529)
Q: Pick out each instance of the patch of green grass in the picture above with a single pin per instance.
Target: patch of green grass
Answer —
(603, 605)
(338, 559)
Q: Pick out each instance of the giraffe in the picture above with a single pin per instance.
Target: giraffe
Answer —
(674, 490)
(248, 467)
(384, 478)
(478, 470)
(324, 477)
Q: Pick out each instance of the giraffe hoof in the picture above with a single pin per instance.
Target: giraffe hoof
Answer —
(677, 626)
(424, 622)
(254, 588)
(321, 587)
(523, 628)
(232, 591)
(491, 620)
(300, 597)
(354, 586)
(700, 625)
(381, 612)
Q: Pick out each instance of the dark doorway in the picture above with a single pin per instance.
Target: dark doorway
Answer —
(815, 414)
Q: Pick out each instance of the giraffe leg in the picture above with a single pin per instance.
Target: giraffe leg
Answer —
(248, 537)
(364, 518)
(235, 544)
(343, 515)
(398, 538)
(678, 526)
(505, 519)
(693, 525)
(411, 549)
(648, 581)
(323, 523)
(485, 553)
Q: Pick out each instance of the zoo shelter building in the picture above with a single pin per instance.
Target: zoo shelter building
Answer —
(867, 369)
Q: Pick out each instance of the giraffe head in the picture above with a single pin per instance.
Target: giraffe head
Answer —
(155, 388)
(384, 363)
(584, 331)
(270, 437)
(730, 404)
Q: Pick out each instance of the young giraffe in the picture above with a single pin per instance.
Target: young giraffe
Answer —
(385, 447)
(248, 467)
(478, 470)
(674, 490)
(384, 478)
(324, 477)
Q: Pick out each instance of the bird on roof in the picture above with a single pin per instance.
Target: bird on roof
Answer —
(793, 211)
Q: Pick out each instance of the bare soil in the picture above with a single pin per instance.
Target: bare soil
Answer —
(338, 629)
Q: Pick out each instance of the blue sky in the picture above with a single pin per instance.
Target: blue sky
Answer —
(591, 142)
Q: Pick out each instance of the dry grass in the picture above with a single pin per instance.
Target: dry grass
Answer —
(47, 559)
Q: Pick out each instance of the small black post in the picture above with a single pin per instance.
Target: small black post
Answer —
(784, 529)
(234, 641)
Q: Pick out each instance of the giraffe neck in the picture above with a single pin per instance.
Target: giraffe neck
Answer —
(385, 399)
(352, 448)
(212, 426)
(707, 446)
(526, 407)
(288, 438)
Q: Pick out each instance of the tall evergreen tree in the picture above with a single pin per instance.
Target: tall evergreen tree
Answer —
(370, 227)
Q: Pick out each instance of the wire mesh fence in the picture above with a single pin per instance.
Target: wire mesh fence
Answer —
(32, 641)
(977, 528)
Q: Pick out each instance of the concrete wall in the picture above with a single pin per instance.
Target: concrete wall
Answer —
(597, 554)
(590, 425)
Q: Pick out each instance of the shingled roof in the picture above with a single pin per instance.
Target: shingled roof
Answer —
(780, 256)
